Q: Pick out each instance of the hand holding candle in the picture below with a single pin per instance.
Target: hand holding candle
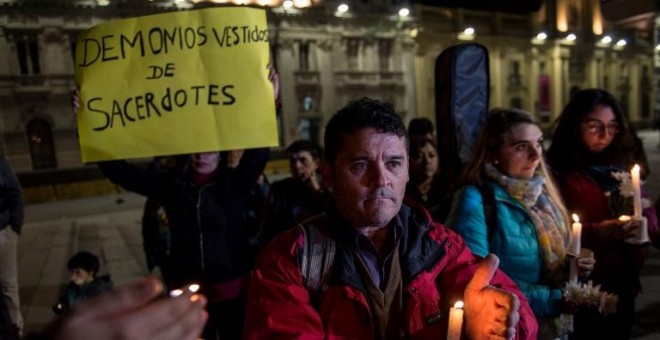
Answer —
(455, 321)
(636, 230)
(490, 312)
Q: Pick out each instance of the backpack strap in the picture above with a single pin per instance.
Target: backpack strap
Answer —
(318, 255)
(488, 200)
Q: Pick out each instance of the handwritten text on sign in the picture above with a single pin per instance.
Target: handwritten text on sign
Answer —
(175, 83)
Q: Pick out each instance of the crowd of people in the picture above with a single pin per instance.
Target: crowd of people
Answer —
(364, 240)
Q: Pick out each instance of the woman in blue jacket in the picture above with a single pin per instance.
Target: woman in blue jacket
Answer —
(511, 207)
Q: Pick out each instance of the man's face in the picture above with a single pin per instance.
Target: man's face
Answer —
(205, 163)
(303, 165)
(369, 177)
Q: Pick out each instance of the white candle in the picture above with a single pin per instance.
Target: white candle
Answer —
(455, 321)
(637, 192)
(577, 234)
(574, 250)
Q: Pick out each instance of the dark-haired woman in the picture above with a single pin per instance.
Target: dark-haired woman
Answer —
(592, 152)
(424, 186)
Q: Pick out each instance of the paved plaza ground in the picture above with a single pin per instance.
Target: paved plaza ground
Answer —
(110, 227)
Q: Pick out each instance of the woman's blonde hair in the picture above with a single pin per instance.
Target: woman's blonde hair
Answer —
(498, 124)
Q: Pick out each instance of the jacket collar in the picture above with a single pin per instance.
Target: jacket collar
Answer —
(417, 251)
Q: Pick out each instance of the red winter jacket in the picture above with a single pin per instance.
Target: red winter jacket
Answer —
(435, 268)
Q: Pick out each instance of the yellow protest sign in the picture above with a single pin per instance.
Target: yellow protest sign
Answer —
(174, 83)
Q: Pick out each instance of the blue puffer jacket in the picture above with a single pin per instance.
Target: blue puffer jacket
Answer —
(513, 240)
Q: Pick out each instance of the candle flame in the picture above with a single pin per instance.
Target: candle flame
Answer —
(193, 287)
(635, 168)
(458, 304)
(176, 293)
(576, 219)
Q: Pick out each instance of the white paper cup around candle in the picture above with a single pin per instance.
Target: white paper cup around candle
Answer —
(573, 269)
(637, 233)
(455, 321)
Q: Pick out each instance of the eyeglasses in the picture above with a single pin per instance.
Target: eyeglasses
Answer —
(596, 127)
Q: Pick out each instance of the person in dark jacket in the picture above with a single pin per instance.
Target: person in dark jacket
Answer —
(155, 224)
(84, 283)
(11, 221)
(294, 199)
(592, 152)
(205, 211)
(205, 205)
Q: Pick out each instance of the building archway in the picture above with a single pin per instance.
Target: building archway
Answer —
(40, 139)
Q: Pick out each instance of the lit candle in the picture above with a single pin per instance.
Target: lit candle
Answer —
(577, 234)
(455, 321)
(637, 192)
(575, 249)
(193, 288)
(176, 292)
(624, 218)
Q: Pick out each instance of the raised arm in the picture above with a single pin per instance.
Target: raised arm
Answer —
(132, 177)
(251, 166)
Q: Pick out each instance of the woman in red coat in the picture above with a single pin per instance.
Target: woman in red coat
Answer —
(592, 153)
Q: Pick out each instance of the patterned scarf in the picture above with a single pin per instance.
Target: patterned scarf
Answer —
(551, 231)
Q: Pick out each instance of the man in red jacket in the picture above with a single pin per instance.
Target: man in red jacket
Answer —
(373, 267)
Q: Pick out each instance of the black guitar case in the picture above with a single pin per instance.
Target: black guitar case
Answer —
(462, 86)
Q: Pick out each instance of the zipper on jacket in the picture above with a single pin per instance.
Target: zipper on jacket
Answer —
(199, 226)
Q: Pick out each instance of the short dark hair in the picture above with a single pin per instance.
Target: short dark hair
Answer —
(360, 114)
(420, 127)
(84, 260)
(304, 145)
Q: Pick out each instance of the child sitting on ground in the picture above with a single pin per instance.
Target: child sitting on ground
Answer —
(84, 284)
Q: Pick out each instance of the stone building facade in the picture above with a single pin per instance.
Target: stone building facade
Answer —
(325, 57)
(537, 60)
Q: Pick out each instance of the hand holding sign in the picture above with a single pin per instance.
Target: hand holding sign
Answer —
(490, 313)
